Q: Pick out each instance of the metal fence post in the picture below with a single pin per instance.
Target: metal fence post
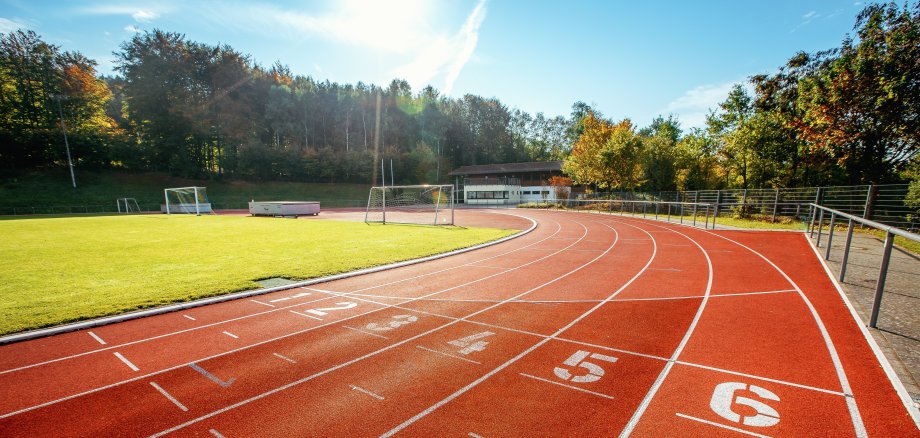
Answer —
(830, 237)
(696, 200)
(846, 251)
(775, 204)
(669, 212)
(882, 274)
(869, 208)
(681, 213)
(715, 212)
(820, 222)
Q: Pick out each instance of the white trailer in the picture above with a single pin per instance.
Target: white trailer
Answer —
(284, 208)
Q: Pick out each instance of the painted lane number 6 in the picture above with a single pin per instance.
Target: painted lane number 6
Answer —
(398, 320)
(595, 372)
(339, 306)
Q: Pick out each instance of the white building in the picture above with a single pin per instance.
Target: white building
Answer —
(506, 184)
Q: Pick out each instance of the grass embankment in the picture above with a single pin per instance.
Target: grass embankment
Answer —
(53, 188)
(57, 270)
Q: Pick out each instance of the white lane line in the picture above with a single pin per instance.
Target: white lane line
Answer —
(304, 314)
(631, 353)
(713, 423)
(126, 361)
(637, 415)
(473, 435)
(412, 278)
(231, 335)
(542, 342)
(299, 295)
(216, 434)
(447, 354)
(189, 317)
(491, 267)
(568, 386)
(359, 389)
(365, 332)
(97, 338)
(855, 417)
(277, 338)
(169, 396)
(283, 357)
(264, 304)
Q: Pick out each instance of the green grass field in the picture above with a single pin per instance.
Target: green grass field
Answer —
(57, 270)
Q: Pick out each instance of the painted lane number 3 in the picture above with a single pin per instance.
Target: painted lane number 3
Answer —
(398, 320)
(595, 372)
(338, 306)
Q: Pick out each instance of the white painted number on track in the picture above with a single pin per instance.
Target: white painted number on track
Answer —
(595, 372)
(725, 396)
(339, 306)
(398, 320)
(471, 344)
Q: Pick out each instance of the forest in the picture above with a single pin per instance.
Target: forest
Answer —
(847, 115)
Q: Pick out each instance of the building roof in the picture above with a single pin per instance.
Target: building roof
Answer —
(491, 169)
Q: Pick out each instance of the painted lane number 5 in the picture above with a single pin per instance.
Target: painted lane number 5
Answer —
(398, 320)
(595, 372)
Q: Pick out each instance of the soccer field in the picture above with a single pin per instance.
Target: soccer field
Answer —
(57, 270)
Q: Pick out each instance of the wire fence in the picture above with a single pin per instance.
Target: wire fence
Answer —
(883, 203)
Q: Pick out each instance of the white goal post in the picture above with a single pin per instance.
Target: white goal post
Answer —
(186, 200)
(420, 204)
(127, 205)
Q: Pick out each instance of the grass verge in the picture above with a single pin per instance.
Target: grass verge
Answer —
(58, 270)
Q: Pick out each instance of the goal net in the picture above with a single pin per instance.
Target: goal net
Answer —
(424, 205)
(127, 205)
(187, 200)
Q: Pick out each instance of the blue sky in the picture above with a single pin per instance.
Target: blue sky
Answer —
(635, 59)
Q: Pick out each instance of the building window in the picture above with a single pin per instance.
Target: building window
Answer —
(486, 195)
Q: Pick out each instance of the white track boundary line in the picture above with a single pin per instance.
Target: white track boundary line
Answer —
(288, 287)
(529, 350)
(374, 353)
(267, 341)
(127, 362)
(876, 350)
(713, 423)
(568, 386)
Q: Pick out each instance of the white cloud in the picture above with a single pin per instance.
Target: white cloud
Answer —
(143, 16)
(131, 28)
(693, 106)
(444, 55)
(7, 25)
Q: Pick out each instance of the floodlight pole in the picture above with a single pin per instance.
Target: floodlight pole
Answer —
(73, 179)
(383, 192)
(437, 179)
(391, 173)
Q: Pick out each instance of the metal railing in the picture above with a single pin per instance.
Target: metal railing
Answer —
(818, 214)
(687, 213)
(884, 203)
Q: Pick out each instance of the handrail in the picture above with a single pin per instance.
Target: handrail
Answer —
(887, 228)
(696, 206)
(890, 233)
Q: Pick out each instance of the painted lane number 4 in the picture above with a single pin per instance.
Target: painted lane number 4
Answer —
(725, 396)
(595, 372)
(471, 343)
(398, 320)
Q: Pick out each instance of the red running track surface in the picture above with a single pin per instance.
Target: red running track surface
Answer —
(589, 325)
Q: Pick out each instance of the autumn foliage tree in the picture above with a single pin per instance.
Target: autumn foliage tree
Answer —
(606, 154)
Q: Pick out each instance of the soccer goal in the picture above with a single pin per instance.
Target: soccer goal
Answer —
(187, 200)
(424, 205)
(127, 205)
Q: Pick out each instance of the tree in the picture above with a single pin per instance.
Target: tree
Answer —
(606, 154)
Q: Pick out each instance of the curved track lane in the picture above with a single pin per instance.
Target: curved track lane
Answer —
(589, 325)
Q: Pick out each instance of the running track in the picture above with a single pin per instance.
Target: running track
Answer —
(589, 325)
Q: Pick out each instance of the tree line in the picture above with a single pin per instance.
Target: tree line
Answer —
(849, 115)
(204, 111)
